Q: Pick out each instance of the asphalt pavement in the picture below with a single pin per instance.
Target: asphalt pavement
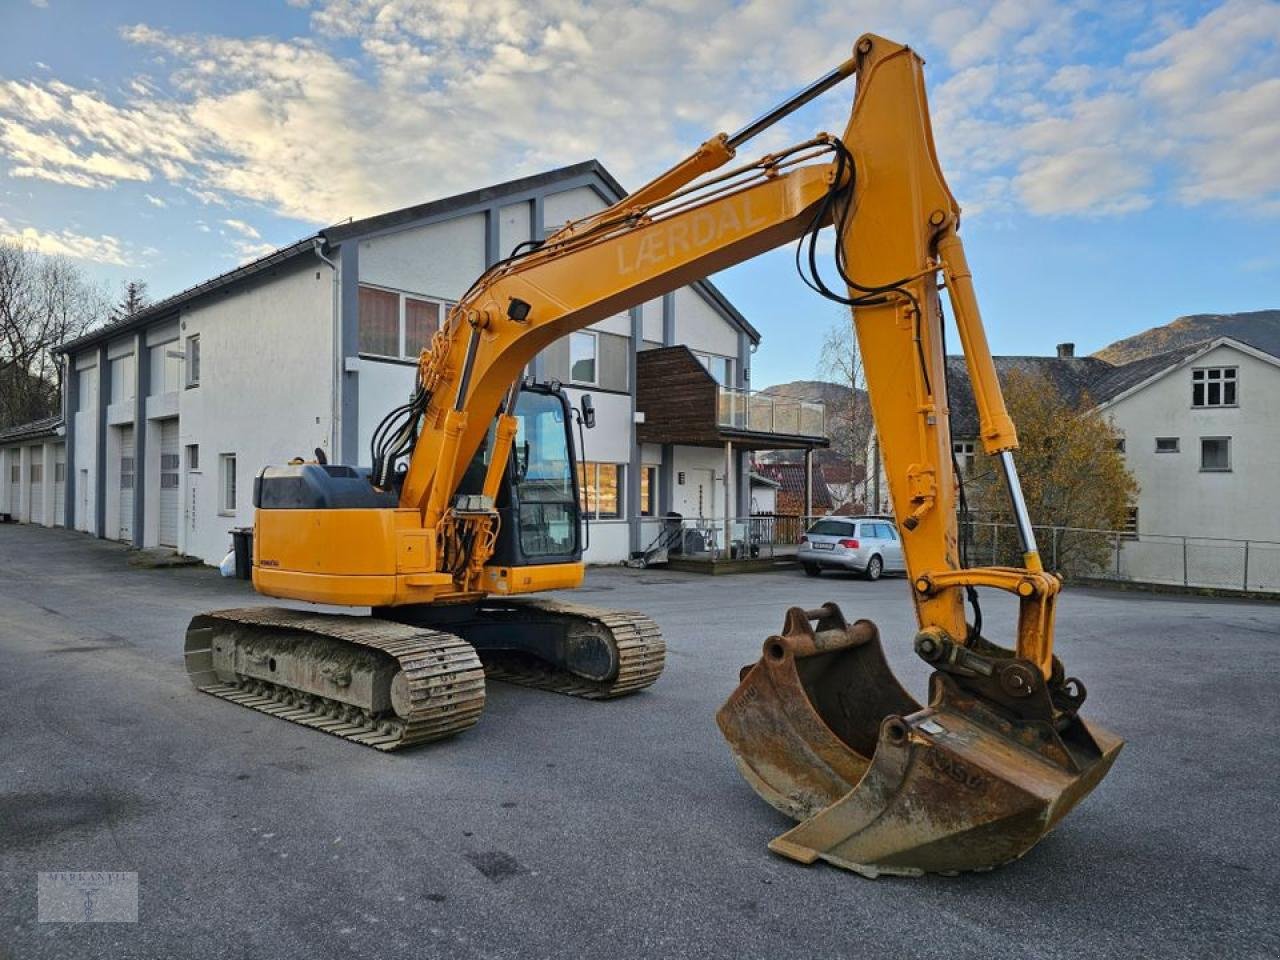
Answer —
(563, 828)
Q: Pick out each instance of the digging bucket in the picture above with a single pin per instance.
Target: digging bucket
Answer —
(823, 731)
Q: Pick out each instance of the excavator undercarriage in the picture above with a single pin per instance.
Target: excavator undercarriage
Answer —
(411, 676)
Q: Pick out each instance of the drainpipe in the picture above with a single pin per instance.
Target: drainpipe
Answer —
(335, 384)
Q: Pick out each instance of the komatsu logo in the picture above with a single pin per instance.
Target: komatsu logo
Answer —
(686, 234)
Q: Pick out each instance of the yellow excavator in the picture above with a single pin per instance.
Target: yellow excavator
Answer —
(471, 504)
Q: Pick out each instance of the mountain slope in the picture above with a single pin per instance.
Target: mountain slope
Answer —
(1260, 328)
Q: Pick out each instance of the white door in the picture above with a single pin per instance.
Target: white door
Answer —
(15, 482)
(60, 487)
(169, 500)
(696, 497)
(127, 463)
(36, 473)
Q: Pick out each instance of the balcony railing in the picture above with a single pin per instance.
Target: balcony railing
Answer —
(764, 413)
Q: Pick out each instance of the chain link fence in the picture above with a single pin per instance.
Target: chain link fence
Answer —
(1166, 559)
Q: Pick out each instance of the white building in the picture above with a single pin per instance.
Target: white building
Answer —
(170, 414)
(1199, 427)
(33, 473)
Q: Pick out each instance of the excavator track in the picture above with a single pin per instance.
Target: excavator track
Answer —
(432, 681)
(552, 645)
(641, 653)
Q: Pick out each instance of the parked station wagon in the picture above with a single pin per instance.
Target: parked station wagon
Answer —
(866, 545)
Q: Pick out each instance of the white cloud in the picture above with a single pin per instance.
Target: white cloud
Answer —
(445, 95)
(242, 228)
(154, 200)
(67, 243)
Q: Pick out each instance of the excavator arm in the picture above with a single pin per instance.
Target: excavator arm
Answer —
(897, 226)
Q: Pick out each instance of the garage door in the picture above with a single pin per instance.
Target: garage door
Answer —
(126, 484)
(60, 487)
(36, 473)
(169, 502)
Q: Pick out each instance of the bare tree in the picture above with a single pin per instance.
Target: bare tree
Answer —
(849, 423)
(44, 301)
(132, 299)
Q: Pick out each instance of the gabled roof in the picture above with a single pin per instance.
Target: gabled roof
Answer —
(335, 235)
(1132, 377)
(1079, 377)
(1071, 376)
(790, 480)
(35, 430)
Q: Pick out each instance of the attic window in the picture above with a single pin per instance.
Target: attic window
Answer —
(1213, 387)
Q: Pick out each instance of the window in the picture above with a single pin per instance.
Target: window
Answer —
(1166, 444)
(966, 456)
(166, 368)
(122, 379)
(582, 358)
(1215, 454)
(720, 368)
(126, 473)
(1119, 444)
(85, 399)
(227, 485)
(169, 471)
(601, 484)
(1213, 387)
(193, 456)
(15, 473)
(832, 528)
(397, 325)
(648, 491)
(59, 473)
(421, 321)
(37, 472)
(379, 324)
(1131, 522)
(193, 360)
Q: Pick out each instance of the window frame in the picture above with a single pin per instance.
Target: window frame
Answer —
(651, 508)
(192, 457)
(442, 305)
(1228, 468)
(191, 357)
(967, 459)
(589, 481)
(595, 359)
(1177, 445)
(225, 461)
(1200, 377)
(705, 358)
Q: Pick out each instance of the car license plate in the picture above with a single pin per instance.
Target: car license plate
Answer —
(824, 546)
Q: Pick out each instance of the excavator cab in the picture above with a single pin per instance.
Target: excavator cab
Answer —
(538, 503)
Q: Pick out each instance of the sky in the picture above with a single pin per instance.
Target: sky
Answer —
(1118, 162)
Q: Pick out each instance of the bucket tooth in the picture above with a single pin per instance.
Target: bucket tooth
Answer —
(968, 783)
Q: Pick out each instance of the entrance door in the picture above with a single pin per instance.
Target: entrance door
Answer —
(126, 484)
(168, 487)
(37, 485)
(60, 487)
(15, 482)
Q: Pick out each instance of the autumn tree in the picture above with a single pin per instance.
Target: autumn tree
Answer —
(44, 302)
(849, 423)
(1072, 475)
